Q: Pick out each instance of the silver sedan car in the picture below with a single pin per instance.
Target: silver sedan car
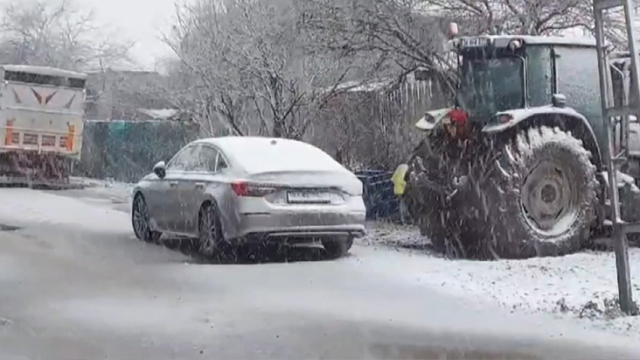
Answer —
(220, 191)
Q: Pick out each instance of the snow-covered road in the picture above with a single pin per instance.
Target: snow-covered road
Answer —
(76, 284)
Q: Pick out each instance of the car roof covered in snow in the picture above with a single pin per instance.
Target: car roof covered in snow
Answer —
(267, 154)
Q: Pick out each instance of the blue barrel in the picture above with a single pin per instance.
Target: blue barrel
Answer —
(378, 196)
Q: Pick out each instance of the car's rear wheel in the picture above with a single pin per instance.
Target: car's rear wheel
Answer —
(140, 220)
(337, 247)
(210, 231)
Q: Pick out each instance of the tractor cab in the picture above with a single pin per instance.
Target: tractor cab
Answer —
(504, 79)
(501, 73)
(508, 72)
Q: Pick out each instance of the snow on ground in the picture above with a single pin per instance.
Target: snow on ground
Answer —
(383, 233)
(581, 286)
(22, 206)
(117, 192)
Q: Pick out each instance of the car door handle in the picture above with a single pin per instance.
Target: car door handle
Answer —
(173, 184)
(199, 186)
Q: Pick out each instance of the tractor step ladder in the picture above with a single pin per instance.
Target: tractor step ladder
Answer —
(617, 158)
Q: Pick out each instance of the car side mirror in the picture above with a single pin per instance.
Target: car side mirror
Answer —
(559, 100)
(160, 169)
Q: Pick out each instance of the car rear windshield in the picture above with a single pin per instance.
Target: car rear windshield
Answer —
(278, 155)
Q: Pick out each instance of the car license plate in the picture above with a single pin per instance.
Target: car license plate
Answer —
(474, 42)
(308, 197)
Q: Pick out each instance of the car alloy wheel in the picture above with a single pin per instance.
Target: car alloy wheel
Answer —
(210, 231)
(140, 221)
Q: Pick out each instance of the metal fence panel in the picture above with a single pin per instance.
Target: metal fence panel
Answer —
(127, 150)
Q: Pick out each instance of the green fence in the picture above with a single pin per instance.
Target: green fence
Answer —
(127, 150)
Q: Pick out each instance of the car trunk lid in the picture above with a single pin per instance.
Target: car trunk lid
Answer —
(307, 187)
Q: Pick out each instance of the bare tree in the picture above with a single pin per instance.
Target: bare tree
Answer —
(409, 33)
(251, 66)
(398, 33)
(524, 17)
(268, 67)
(404, 35)
(59, 34)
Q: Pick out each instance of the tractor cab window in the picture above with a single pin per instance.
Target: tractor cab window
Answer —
(491, 84)
(540, 80)
(578, 79)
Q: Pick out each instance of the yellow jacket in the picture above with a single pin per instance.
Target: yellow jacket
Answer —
(398, 179)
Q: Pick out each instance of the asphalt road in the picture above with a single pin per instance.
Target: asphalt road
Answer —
(75, 284)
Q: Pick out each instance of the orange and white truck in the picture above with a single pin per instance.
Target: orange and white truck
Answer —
(41, 123)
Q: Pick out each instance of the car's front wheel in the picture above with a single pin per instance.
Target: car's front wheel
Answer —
(337, 247)
(140, 220)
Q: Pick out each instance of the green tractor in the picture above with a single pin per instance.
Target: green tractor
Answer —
(517, 167)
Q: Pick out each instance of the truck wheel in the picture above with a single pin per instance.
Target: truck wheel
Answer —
(542, 195)
(140, 221)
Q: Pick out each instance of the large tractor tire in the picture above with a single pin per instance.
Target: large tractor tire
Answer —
(542, 195)
(428, 211)
(443, 221)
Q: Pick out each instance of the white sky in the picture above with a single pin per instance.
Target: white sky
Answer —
(138, 20)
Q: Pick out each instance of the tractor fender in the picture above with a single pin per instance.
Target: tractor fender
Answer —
(433, 118)
(565, 118)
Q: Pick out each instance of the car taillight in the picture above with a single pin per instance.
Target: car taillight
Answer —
(242, 188)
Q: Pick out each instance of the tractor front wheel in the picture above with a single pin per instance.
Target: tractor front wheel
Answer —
(428, 208)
